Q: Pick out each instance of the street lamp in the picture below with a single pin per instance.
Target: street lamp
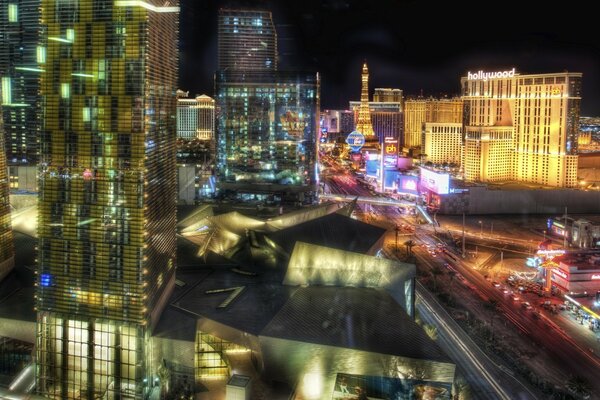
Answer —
(397, 231)
(481, 228)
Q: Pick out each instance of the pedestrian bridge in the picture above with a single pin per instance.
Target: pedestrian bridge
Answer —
(376, 201)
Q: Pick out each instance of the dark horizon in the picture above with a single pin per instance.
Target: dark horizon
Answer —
(333, 37)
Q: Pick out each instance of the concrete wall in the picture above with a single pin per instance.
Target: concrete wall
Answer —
(481, 200)
(186, 188)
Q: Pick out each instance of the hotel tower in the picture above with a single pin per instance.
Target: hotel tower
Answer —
(107, 216)
(521, 127)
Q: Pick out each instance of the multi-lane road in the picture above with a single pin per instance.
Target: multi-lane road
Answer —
(484, 376)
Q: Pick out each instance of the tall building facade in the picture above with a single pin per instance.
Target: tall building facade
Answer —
(196, 118)
(7, 252)
(247, 40)
(187, 118)
(107, 216)
(206, 117)
(421, 110)
(443, 142)
(387, 95)
(267, 129)
(20, 59)
(538, 113)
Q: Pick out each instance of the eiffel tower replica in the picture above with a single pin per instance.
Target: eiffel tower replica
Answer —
(364, 125)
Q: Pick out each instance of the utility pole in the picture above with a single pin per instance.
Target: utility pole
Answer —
(463, 237)
(565, 231)
(492, 229)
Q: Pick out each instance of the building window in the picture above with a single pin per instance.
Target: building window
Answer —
(13, 12)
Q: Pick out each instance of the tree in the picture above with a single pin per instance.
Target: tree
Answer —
(435, 272)
(579, 386)
(492, 306)
(409, 245)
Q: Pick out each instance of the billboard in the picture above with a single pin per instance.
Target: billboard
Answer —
(436, 182)
(390, 180)
(390, 152)
(372, 168)
(408, 184)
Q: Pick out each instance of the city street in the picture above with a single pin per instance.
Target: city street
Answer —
(558, 337)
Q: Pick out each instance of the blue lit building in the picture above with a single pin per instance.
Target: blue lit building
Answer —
(267, 130)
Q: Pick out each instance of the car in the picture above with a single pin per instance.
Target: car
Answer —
(516, 298)
(505, 291)
(496, 284)
(526, 305)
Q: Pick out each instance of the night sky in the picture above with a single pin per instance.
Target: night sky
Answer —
(416, 46)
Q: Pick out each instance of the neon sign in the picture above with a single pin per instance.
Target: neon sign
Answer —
(355, 140)
(551, 253)
(484, 76)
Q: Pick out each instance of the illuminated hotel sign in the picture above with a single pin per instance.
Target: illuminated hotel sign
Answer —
(484, 76)
(560, 273)
(551, 253)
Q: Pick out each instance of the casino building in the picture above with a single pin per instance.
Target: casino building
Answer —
(521, 127)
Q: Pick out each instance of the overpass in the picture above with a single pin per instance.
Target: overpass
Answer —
(377, 201)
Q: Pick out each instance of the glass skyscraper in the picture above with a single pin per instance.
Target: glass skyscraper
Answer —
(7, 252)
(20, 74)
(247, 40)
(266, 130)
(106, 225)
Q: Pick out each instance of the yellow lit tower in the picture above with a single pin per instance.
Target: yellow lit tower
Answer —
(107, 194)
(364, 125)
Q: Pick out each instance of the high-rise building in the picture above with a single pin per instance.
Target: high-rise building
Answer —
(387, 95)
(267, 129)
(443, 142)
(247, 40)
(196, 118)
(7, 252)
(421, 110)
(21, 61)
(107, 202)
(187, 118)
(267, 120)
(538, 115)
(206, 118)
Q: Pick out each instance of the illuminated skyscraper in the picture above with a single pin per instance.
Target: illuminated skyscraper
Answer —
(522, 127)
(20, 72)
(187, 118)
(7, 253)
(421, 110)
(247, 40)
(267, 129)
(363, 124)
(443, 142)
(206, 118)
(107, 217)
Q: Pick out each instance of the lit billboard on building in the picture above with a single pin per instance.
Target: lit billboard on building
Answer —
(434, 181)
(390, 152)
(408, 184)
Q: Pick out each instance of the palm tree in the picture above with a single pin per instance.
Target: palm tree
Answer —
(492, 306)
(435, 272)
(409, 245)
(579, 386)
